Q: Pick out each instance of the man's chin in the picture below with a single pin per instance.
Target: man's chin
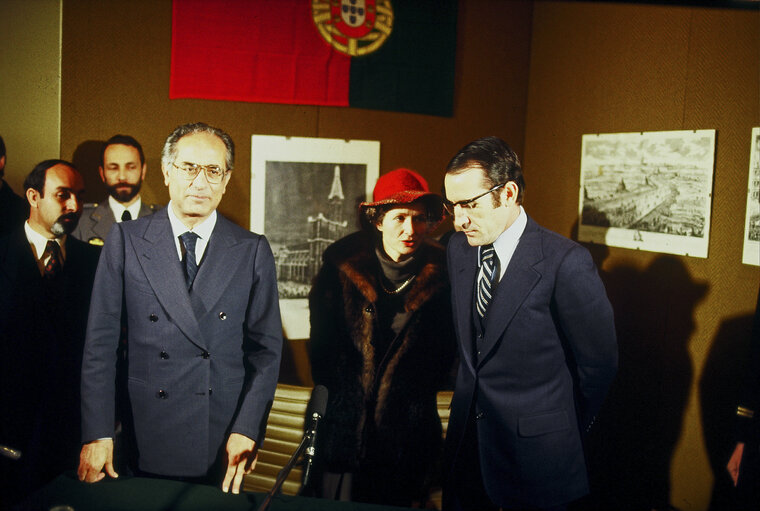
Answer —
(123, 193)
(123, 196)
(64, 225)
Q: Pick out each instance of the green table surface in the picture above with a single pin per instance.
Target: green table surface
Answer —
(142, 494)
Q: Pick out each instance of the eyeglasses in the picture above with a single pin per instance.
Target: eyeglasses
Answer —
(214, 173)
(469, 203)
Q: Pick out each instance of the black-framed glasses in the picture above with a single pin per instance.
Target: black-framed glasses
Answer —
(469, 203)
(214, 173)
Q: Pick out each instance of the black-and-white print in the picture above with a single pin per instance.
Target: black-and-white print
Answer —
(309, 206)
(751, 252)
(649, 191)
(305, 194)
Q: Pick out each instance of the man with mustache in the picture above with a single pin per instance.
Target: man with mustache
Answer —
(122, 169)
(46, 277)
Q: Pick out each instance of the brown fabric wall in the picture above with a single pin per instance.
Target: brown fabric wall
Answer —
(608, 68)
(116, 57)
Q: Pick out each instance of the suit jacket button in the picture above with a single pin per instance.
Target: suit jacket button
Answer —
(161, 394)
(222, 315)
(205, 354)
(153, 318)
(164, 355)
(479, 415)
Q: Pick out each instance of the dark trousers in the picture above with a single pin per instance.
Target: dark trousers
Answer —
(465, 490)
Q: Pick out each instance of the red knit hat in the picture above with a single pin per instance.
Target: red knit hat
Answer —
(400, 186)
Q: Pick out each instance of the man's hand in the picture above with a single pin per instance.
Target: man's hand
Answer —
(735, 462)
(94, 457)
(240, 461)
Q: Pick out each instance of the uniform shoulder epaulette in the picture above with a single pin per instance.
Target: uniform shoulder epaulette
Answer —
(742, 411)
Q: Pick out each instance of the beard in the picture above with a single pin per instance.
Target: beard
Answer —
(127, 192)
(65, 224)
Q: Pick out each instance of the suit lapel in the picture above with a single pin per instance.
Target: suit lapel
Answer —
(157, 255)
(518, 281)
(223, 253)
(18, 262)
(467, 264)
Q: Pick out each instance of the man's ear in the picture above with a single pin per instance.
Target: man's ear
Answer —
(32, 196)
(102, 173)
(510, 192)
(165, 172)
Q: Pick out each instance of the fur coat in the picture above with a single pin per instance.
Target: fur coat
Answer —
(400, 444)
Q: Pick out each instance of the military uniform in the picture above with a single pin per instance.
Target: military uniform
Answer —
(97, 220)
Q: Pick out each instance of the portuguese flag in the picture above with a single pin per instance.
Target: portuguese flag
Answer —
(395, 55)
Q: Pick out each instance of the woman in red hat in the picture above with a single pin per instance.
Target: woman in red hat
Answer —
(382, 342)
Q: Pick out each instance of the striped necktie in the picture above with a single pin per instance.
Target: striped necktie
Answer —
(489, 262)
(191, 266)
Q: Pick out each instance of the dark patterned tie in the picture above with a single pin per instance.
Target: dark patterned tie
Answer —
(126, 216)
(488, 267)
(54, 264)
(191, 266)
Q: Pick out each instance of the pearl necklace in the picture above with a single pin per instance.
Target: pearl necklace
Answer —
(398, 289)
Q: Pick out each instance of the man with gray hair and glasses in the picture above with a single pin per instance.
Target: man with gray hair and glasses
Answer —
(203, 328)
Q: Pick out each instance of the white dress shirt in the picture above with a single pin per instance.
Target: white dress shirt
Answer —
(118, 208)
(203, 230)
(507, 241)
(39, 243)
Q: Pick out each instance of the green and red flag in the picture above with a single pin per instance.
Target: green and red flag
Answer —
(395, 55)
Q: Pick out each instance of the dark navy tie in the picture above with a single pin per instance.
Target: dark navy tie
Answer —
(489, 263)
(191, 266)
(126, 216)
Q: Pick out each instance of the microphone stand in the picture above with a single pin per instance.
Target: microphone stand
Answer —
(307, 445)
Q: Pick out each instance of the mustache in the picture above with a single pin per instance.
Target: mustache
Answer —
(65, 224)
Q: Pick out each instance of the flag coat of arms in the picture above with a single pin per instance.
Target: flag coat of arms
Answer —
(395, 55)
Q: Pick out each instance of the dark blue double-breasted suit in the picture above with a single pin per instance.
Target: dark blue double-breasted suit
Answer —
(534, 381)
(201, 364)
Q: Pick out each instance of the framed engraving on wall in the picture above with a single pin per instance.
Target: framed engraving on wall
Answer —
(305, 194)
(751, 253)
(649, 191)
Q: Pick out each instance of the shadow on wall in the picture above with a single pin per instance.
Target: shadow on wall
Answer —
(631, 447)
(719, 389)
(86, 159)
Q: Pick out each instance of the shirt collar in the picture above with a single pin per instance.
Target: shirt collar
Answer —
(118, 208)
(509, 238)
(203, 229)
(39, 242)
(506, 244)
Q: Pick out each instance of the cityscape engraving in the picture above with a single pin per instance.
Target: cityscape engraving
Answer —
(636, 184)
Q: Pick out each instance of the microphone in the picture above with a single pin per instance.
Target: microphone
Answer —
(10, 453)
(315, 410)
